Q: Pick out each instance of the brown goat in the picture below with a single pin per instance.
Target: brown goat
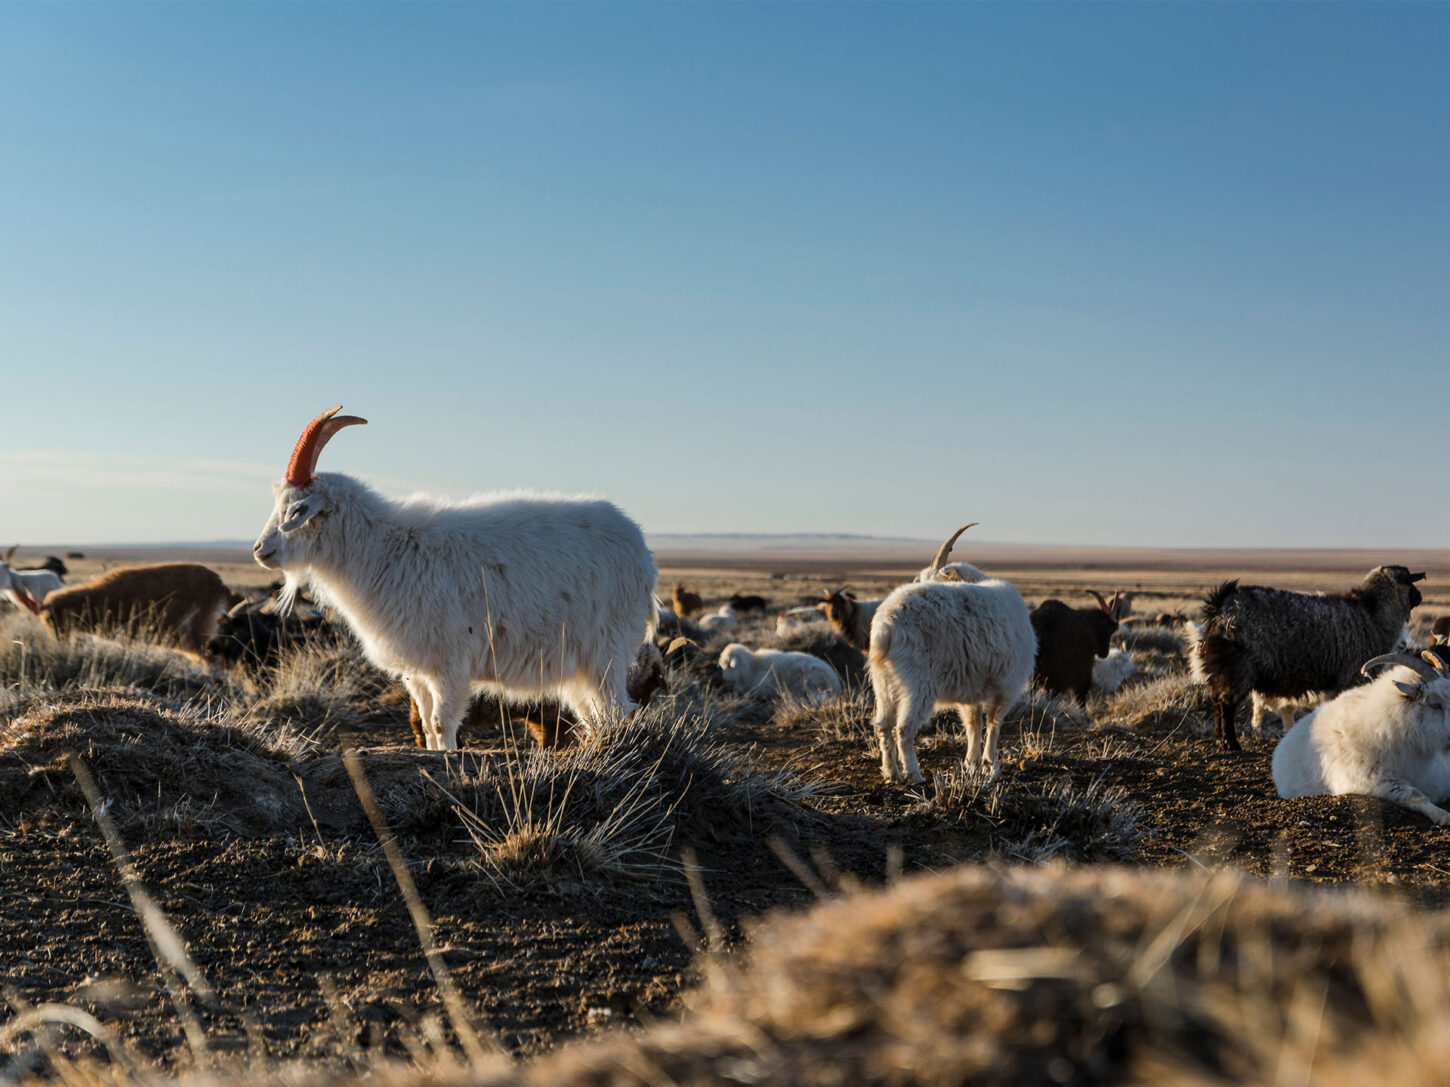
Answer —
(850, 617)
(178, 602)
(686, 602)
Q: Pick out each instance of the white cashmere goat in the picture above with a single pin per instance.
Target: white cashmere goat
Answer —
(774, 671)
(957, 642)
(1112, 671)
(521, 593)
(718, 620)
(36, 584)
(1389, 738)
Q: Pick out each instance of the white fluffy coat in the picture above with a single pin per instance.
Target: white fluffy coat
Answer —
(951, 643)
(519, 593)
(771, 672)
(1374, 740)
(36, 584)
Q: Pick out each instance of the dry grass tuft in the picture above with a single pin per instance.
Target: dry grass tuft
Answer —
(1054, 976)
(847, 716)
(167, 767)
(322, 685)
(616, 806)
(1033, 822)
(31, 662)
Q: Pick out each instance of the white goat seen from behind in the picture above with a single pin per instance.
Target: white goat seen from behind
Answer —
(954, 637)
(522, 593)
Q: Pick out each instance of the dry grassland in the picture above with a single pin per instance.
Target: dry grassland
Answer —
(723, 891)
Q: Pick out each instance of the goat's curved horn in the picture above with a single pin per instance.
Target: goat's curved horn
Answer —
(1424, 670)
(237, 608)
(1101, 602)
(10, 554)
(26, 599)
(318, 433)
(946, 548)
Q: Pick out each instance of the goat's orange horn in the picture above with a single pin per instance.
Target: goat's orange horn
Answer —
(318, 433)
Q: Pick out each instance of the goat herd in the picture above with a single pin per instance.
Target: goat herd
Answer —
(532, 595)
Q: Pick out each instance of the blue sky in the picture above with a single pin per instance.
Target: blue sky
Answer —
(1164, 274)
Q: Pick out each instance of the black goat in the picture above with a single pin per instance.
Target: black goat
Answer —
(253, 634)
(1068, 640)
(51, 563)
(744, 602)
(1285, 644)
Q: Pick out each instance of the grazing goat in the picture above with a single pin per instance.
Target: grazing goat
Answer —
(32, 584)
(850, 617)
(517, 592)
(686, 602)
(1068, 641)
(967, 643)
(772, 672)
(1389, 738)
(1287, 644)
(179, 601)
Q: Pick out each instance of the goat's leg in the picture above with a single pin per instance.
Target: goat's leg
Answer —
(1224, 708)
(422, 696)
(993, 714)
(450, 704)
(1407, 796)
(884, 724)
(972, 725)
(602, 704)
(914, 711)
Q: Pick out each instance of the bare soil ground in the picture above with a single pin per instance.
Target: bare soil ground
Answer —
(230, 793)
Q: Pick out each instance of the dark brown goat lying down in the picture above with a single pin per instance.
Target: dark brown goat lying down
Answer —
(550, 724)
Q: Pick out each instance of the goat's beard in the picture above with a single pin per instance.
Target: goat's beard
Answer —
(292, 584)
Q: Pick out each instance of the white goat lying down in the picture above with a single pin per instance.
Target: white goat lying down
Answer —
(718, 620)
(954, 637)
(1388, 739)
(774, 672)
(516, 592)
(1110, 673)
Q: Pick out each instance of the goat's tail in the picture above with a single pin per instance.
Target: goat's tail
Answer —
(880, 652)
(1214, 601)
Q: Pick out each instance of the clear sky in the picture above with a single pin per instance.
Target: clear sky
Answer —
(1168, 274)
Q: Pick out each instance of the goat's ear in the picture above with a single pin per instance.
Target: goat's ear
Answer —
(302, 511)
(1411, 691)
